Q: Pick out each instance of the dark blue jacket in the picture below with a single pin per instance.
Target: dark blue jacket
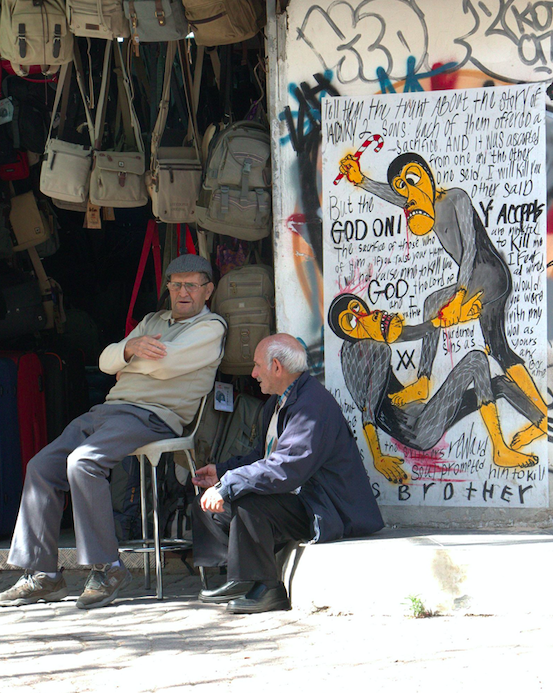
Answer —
(317, 451)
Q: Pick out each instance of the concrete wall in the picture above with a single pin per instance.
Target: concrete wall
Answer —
(360, 48)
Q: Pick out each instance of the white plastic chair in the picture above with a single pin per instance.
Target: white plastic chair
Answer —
(153, 452)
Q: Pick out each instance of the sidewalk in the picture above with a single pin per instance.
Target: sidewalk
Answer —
(350, 628)
(141, 645)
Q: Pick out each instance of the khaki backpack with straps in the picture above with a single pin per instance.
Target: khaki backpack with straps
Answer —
(35, 32)
(245, 298)
(235, 199)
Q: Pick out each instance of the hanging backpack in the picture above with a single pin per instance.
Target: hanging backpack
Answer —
(235, 199)
(245, 298)
(176, 172)
(224, 22)
(35, 32)
(155, 20)
(97, 18)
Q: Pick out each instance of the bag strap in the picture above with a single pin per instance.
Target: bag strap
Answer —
(151, 240)
(188, 92)
(62, 88)
(131, 125)
(101, 105)
(164, 103)
(82, 89)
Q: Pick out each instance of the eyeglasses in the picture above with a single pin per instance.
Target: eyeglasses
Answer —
(189, 286)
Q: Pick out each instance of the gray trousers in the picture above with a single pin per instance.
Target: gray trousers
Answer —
(80, 460)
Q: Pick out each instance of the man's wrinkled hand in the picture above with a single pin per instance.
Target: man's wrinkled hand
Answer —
(206, 476)
(349, 167)
(145, 347)
(211, 501)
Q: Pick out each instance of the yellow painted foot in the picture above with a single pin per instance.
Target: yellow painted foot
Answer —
(391, 468)
(527, 435)
(415, 392)
(505, 457)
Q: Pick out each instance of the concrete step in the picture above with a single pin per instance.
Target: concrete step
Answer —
(498, 572)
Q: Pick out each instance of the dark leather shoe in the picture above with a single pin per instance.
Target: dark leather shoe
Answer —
(225, 593)
(259, 599)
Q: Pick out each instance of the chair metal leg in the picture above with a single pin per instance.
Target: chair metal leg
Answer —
(144, 518)
(192, 467)
(157, 539)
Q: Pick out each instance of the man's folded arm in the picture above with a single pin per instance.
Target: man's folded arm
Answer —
(198, 347)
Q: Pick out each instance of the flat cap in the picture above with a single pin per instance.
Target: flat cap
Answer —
(189, 263)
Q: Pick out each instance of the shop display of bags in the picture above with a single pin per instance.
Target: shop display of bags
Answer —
(97, 18)
(235, 199)
(118, 177)
(224, 21)
(35, 32)
(176, 172)
(245, 298)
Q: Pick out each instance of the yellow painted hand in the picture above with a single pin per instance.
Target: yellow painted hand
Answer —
(471, 309)
(349, 167)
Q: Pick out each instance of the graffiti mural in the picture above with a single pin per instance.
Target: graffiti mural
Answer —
(379, 46)
(434, 255)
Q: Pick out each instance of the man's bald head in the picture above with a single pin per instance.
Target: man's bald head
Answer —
(279, 360)
(287, 349)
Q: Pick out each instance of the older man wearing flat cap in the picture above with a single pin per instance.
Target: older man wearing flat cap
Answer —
(165, 366)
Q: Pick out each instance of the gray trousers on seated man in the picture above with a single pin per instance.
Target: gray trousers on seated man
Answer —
(80, 460)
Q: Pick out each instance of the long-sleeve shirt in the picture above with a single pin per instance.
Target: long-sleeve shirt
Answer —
(171, 387)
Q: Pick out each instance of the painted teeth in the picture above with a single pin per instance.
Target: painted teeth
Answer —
(419, 212)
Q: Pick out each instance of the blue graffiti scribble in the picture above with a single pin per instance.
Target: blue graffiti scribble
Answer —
(412, 79)
(313, 113)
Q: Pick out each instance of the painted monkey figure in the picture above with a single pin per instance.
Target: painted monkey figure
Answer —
(454, 220)
(366, 366)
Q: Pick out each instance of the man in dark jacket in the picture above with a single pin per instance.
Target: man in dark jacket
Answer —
(305, 480)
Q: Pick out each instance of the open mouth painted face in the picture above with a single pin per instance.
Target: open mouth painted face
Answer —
(378, 325)
(414, 183)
